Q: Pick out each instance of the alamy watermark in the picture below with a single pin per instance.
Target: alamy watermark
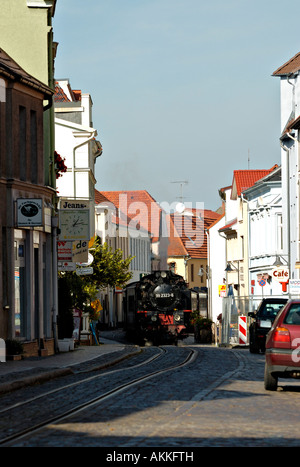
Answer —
(161, 220)
(2, 351)
(296, 351)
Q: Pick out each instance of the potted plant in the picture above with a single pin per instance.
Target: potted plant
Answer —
(202, 328)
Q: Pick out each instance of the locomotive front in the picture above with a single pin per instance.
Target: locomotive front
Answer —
(162, 306)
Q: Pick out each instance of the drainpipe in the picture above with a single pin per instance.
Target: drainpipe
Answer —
(293, 86)
(296, 140)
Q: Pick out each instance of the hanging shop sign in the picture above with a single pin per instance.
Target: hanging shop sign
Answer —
(66, 266)
(80, 251)
(29, 212)
(86, 263)
(64, 251)
(84, 271)
(281, 274)
(294, 286)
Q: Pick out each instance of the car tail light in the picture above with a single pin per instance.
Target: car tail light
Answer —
(281, 335)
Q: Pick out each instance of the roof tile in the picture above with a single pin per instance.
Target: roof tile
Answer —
(291, 66)
(138, 205)
(243, 179)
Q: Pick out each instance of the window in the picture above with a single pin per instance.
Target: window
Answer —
(293, 315)
(192, 273)
(279, 233)
(22, 143)
(33, 146)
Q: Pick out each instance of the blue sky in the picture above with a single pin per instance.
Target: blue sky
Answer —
(182, 89)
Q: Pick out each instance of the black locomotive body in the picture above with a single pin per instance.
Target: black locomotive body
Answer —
(157, 309)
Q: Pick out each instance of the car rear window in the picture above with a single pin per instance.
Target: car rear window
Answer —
(293, 315)
(270, 310)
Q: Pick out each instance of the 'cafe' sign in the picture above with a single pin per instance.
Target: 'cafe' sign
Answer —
(281, 275)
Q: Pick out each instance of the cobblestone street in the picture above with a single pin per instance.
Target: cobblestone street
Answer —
(218, 399)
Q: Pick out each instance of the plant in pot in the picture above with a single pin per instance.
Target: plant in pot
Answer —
(202, 328)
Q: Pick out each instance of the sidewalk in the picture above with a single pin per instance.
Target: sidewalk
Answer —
(17, 374)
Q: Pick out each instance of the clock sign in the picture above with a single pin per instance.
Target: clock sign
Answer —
(74, 224)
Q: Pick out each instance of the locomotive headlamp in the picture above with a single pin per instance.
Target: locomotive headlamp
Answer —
(153, 318)
(177, 317)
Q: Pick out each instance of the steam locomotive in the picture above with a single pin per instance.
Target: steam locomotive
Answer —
(157, 309)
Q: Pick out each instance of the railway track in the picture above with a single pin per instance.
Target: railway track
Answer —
(130, 378)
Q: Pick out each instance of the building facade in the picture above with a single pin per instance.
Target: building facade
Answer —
(76, 144)
(26, 234)
(289, 142)
(265, 245)
(116, 229)
(30, 250)
(236, 230)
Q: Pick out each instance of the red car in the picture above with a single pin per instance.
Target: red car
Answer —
(283, 346)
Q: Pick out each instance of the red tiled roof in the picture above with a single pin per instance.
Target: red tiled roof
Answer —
(118, 217)
(243, 179)
(77, 95)
(292, 124)
(137, 205)
(216, 221)
(192, 232)
(228, 226)
(60, 95)
(175, 246)
(291, 66)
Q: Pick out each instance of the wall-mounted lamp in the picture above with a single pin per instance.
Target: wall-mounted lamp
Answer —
(278, 262)
(230, 268)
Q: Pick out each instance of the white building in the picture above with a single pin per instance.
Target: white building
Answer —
(216, 262)
(265, 234)
(75, 141)
(289, 140)
(236, 230)
(116, 229)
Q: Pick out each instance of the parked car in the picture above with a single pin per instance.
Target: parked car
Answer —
(263, 318)
(283, 346)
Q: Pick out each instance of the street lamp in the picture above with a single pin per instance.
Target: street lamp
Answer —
(201, 272)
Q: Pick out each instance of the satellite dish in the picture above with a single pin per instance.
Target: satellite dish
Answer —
(180, 207)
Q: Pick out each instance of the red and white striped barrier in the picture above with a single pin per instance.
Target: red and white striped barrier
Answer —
(242, 322)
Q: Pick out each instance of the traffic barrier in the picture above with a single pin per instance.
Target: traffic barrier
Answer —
(242, 322)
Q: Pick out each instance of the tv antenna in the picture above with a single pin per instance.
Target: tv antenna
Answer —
(181, 182)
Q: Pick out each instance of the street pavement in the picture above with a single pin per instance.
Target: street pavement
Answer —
(17, 374)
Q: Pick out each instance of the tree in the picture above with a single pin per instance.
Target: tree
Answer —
(109, 269)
